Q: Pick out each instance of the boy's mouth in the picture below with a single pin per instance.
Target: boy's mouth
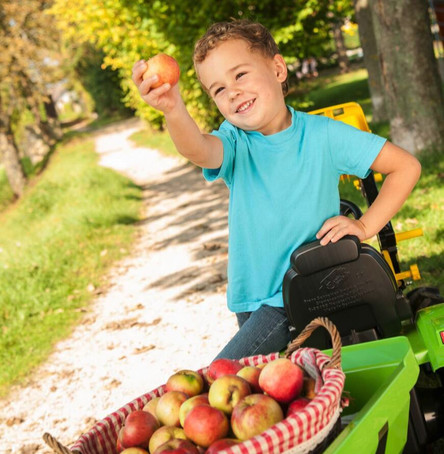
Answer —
(245, 106)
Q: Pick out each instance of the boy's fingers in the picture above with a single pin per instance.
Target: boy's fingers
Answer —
(138, 69)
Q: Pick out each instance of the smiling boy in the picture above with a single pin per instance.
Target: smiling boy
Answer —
(282, 168)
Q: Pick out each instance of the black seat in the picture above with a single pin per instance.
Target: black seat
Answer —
(350, 283)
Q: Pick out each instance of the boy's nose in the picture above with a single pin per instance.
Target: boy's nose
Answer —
(234, 93)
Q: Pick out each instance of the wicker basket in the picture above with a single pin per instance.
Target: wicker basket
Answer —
(309, 430)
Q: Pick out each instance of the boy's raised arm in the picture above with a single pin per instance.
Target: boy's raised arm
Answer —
(203, 150)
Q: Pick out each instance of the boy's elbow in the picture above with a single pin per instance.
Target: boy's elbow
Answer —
(416, 169)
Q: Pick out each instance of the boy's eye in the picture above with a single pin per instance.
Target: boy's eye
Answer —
(218, 90)
(238, 76)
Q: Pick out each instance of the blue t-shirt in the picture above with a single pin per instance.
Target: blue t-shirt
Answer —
(282, 188)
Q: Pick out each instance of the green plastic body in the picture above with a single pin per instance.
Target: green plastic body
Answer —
(379, 378)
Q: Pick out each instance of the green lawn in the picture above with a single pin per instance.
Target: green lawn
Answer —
(56, 244)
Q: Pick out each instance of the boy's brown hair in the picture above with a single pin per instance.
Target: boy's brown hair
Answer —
(255, 34)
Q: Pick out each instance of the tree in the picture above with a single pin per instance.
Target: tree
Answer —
(26, 66)
(371, 59)
(409, 70)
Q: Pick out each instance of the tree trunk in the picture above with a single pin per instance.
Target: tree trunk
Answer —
(344, 63)
(412, 84)
(10, 158)
(371, 59)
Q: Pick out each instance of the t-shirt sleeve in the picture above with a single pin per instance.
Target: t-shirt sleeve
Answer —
(352, 151)
(226, 134)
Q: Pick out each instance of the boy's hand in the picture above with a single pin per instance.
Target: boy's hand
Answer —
(335, 228)
(165, 98)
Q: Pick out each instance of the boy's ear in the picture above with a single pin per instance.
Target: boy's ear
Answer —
(280, 68)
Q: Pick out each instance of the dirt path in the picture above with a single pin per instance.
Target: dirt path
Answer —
(164, 308)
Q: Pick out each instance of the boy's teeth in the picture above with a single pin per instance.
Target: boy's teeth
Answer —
(245, 106)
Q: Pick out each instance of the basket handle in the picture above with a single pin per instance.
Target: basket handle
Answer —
(335, 361)
(55, 445)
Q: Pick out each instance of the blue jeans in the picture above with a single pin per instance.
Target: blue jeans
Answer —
(261, 332)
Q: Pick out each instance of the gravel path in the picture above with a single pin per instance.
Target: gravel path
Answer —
(163, 308)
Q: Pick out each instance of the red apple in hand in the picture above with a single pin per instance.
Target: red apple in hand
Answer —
(227, 391)
(191, 403)
(205, 424)
(297, 404)
(187, 381)
(222, 366)
(167, 410)
(251, 374)
(138, 428)
(221, 444)
(282, 380)
(254, 414)
(177, 446)
(164, 434)
(166, 69)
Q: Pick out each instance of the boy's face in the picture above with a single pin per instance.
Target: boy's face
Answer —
(246, 86)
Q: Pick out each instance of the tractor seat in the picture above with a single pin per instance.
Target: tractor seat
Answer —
(350, 283)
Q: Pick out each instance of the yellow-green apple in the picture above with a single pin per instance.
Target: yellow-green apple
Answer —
(164, 434)
(221, 444)
(205, 424)
(151, 405)
(296, 405)
(254, 414)
(134, 450)
(177, 446)
(189, 404)
(167, 410)
(227, 391)
(282, 380)
(138, 428)
(189, 382)
(251, 374)
(165, 67)
(222, 366)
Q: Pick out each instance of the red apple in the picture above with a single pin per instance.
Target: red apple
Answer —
(251, 374)
(205, 424)
(191, 403)
(151, 405)
(221, 444)
(134, 450)
(166, 69)
(297, 404)
(177, 446)
(167, 410)
(227, 391)
(282, 380)
(222, 366)
(187, 381)
(164, 434)
(138, 428)
(254, 414)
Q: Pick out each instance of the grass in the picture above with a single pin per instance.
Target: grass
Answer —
(56, 244)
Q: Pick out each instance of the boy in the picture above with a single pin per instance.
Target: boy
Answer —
(282, 168)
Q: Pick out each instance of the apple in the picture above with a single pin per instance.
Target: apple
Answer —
(205, 424)
(165, 67)
(151, 405)
(251, 374)
(119, 445)
(187, 381)
(164, 434)
(222, 366)
(167, 410)
(282, 380)
(191, 403)
(221, 444)
(138, 428)
(177, 446)
(134, 450)
(308, 388)
(296, 405)
(227, 391)
(254, 414)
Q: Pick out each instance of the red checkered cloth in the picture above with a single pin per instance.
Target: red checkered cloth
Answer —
(298, 433)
